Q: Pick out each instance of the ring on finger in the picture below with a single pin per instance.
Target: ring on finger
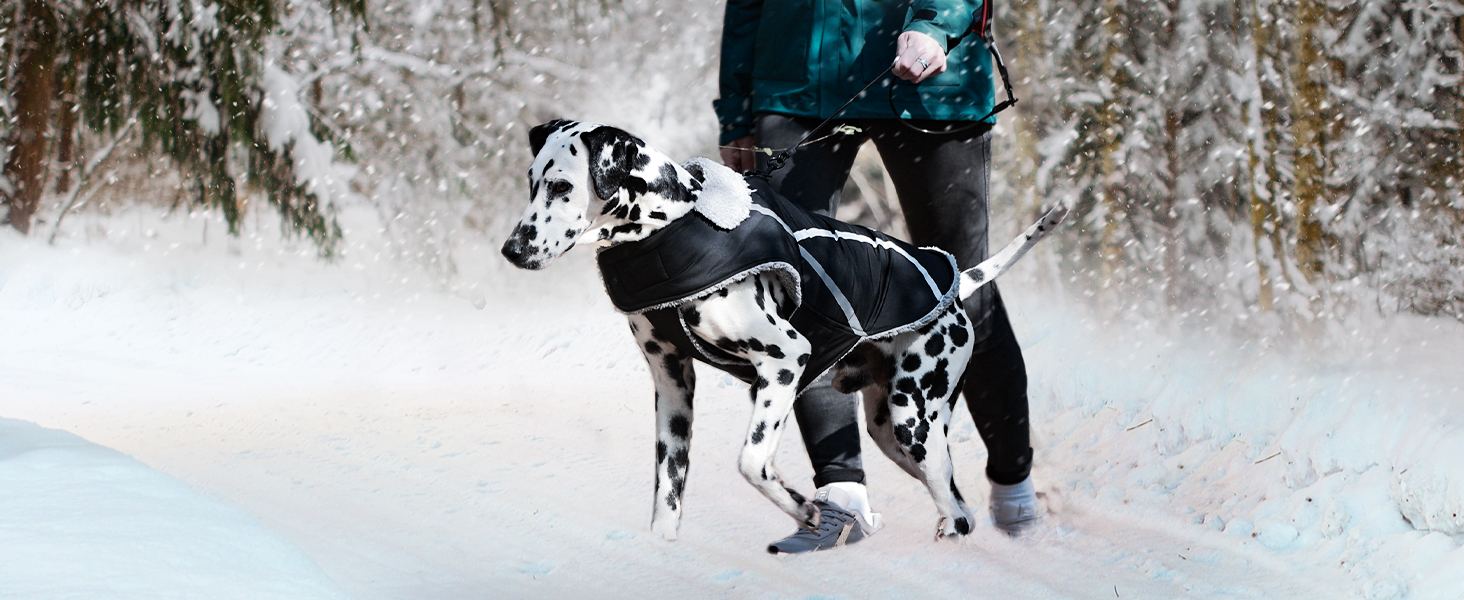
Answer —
(924, 64)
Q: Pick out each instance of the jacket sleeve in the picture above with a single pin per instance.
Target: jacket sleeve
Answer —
(739, 33)
(944, 20)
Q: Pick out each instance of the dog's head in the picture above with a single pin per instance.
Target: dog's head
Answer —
(592, 182)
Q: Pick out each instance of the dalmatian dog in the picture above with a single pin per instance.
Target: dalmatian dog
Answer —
(595, 184)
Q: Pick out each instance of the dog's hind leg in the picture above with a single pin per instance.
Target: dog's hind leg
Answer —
(877, 422)
(925, 389)
(675, 383)
(868, 370)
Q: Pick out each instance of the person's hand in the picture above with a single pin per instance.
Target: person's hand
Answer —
(918, 57)
(738, 154)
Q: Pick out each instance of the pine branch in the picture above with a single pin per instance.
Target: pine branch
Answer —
(81, 179)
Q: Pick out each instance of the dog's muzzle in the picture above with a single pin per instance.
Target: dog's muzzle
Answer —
(519, 252)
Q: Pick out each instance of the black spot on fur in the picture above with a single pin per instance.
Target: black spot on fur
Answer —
(803, 360)
(917, 452)
(657, 215)
(935, 345)
(959, 336)
(902, 435)
(572, 151)
(852, 383)
(756, 345)
(785, 377)
(526, 232)
(680, 426)
(760, 384)
(771, 320)
(937, 382)
(676, 469)
(757, 434)
(613, 155)
(912, 362)
(882, 415)
(692, 315)
(660, 452)
(792, 335)
(774, 351)
(963, 526)
(797, 497)
(673, 365)
(906, 385)
(900, 399)
(922, 431)
(626, 228)
(540, 134)
(653, 348)
(635, 213)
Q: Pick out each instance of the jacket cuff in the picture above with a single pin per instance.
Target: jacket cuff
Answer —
(735, 115)
(939, 34)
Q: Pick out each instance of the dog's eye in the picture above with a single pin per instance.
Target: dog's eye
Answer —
(560, 188)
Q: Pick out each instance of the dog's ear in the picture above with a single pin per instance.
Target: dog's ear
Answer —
(613, 155)
(541, 133)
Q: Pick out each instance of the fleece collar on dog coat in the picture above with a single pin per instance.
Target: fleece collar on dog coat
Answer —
(850, 283)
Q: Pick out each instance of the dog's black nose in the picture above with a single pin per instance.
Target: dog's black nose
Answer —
(520, 252)
(514, 250)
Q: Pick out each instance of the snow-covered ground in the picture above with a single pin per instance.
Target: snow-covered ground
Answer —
(496, 441)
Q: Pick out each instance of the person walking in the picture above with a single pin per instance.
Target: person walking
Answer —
(786, 66)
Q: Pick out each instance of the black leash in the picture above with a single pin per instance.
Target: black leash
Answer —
(1008, 103)
(777, 162)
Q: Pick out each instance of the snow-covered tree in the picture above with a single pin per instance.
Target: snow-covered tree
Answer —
(189, 75)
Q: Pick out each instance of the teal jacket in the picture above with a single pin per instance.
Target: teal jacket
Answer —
(807, 57)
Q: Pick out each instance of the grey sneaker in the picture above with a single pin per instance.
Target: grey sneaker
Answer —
(1014, 508)
(838, 527)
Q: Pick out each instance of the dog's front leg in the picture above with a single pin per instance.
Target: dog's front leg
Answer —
(745, 321)
(675, 383)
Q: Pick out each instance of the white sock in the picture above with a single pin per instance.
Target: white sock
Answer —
(853, 497)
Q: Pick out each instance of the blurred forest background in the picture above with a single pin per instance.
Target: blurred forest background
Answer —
(1262, 167)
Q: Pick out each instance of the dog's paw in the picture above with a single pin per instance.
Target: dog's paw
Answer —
(667, 531)
(812, 516)
(952, 529)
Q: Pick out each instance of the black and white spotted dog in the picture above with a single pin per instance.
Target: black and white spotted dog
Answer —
(597, 184)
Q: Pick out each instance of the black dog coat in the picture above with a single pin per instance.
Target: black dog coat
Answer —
(850, 283)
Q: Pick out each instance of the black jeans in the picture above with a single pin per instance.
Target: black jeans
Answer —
(942, 183)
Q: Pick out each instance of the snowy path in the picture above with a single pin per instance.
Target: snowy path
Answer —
(416, 447)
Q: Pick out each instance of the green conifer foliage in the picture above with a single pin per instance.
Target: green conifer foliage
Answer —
(187, 71)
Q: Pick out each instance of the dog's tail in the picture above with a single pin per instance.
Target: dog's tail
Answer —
(979, 275)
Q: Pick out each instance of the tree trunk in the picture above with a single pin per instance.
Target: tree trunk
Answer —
(1168, 216)
(1307, 122)
(1109, 119)
(1264, 145)
(34, 94)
